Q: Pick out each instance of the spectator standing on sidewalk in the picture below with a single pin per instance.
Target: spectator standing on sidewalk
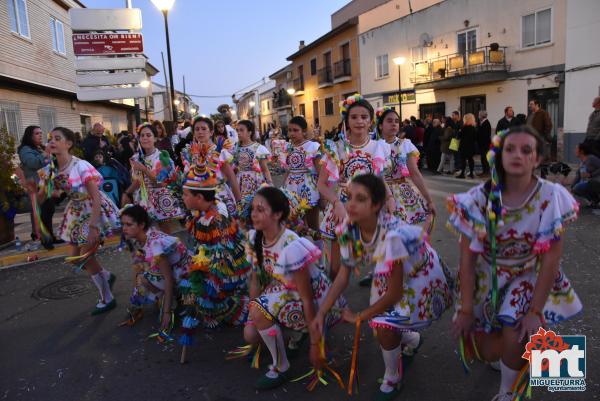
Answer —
(445, 139)
(96, 140)
(592, 133)
(33, 157)
(540, 120)
(484, 139)
(457, 126)
(468, 145)
(434, 143)
(508, 120)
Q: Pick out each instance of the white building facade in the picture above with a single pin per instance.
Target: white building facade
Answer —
(468, 55)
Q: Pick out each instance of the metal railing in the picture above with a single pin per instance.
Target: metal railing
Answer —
(485, 58)
(325, 76)
(282, 100)
(299, 84)
(342, 68)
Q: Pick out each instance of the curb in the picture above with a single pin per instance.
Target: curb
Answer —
(21, 259)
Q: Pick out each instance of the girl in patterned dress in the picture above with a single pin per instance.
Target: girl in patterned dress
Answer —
(516, 220)
(410, 205)
(302, 165)
(353, 154)
(89, 216)
(250, 160)
(159, 263)
(157, 171)
(219, 155)
(287, 285)
(411, 285)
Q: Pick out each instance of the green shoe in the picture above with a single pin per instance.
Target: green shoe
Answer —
(381, 396)
(108, 307)
(267, 383)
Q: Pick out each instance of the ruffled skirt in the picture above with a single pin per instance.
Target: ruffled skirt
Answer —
(410, 205)
(304, 185)
(74, 228)
(250, 182)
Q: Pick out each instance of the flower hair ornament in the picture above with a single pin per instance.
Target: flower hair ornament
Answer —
(345, 107)
(142, 126)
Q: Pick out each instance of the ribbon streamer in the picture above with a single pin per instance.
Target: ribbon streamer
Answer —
(353, 367)
(521, 388)
(40, 228)
(81, 260)
(318, 375)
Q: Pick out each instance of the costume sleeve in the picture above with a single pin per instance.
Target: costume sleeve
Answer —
(410, 149)
(557, 209)
(162, 245)
(403, 243)
(225, 156)
(331, 161)
(381, 156)
(85, 173)
(313, 154)
(297, 255)
(467, 216)
(262, 153)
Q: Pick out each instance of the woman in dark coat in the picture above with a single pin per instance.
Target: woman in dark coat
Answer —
(434, 153)
(468, 144)
(445, 139)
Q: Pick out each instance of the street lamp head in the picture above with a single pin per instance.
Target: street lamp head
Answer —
(399, 60)
(163, 5)
(232, 111)
(176, 102)
(291, 91)
(252, 103)
(145, 83)
(193, 110)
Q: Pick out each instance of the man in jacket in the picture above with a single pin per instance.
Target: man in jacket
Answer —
(96, 140)
(592, 133)
(508, 120)
(484, 139)
(540, 120)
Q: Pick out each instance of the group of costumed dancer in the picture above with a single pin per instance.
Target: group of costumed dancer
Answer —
(257, 252)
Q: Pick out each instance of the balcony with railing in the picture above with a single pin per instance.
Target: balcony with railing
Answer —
(484, 64)
(325, 77)
(299, 85)
(342, 70)
(282, 99)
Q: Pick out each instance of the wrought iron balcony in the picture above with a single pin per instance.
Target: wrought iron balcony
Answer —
(299, 84)
(325, 77)
(282, 99)
(483, 64)
(342, 70)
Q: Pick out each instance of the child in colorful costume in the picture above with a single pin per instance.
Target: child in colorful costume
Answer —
(219, 155)
(410, 205)
(355, 153)
(215, 290)
(154, 176)
(89, 216)
(160, 261)
(287, 284)
(511, 282)
(411, 285)
(250, 160)
(302, 164)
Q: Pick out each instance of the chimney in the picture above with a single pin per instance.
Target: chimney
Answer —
(301, 46)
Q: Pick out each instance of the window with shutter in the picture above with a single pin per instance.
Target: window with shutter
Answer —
(47, 116)
(10, 118)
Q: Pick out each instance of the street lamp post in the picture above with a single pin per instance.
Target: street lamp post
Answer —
(165, 6)
(399, 61)
(291, 92)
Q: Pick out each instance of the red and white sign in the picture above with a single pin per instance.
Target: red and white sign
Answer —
(97, 44)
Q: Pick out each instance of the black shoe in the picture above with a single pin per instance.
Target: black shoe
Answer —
(108, 307)
(47, 245)
(471, 176)
(58, 241)
(461, 176)
(366, 280)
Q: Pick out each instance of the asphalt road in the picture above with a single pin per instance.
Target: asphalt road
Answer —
(52, 349)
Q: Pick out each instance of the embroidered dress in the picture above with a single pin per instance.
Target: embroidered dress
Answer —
(302, 174)
(278, 154)
(343, 161)
(72, 180)
(247, 163)
(217, 158)
(163, 203)
(279, 300)
(216, 283)
(525, 236)
(410, 205)
(146, 258)
(427, 282)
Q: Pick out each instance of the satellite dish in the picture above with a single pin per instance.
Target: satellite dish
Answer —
(425, 40)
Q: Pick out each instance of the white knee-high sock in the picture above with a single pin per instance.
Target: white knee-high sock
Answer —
(508, 377)
(411, 339)
(103, 288)
(273, 339)
(391, 359)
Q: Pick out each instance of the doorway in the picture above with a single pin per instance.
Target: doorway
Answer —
(435, 110)
(549, 101)
(472, 104)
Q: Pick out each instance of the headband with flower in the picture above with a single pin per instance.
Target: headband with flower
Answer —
(349, 101)
(142, 126)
